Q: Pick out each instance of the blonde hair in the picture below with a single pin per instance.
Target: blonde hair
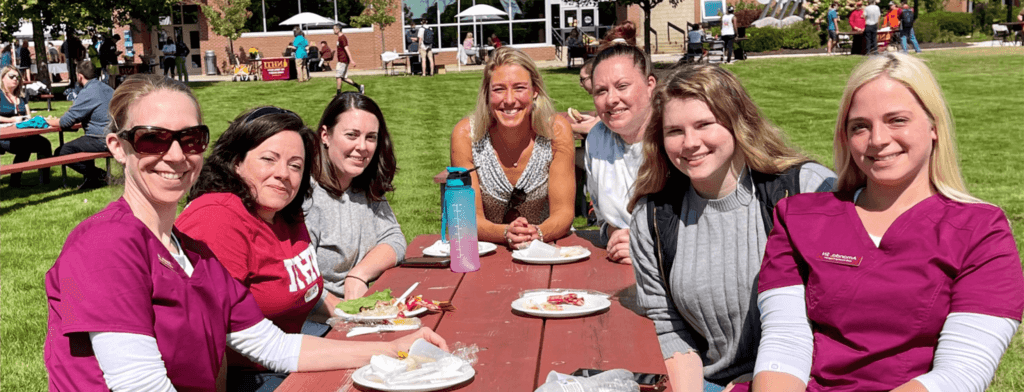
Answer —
(19, 87)
(763, 145)
(136, 87)
(911, 72)
(542, 116)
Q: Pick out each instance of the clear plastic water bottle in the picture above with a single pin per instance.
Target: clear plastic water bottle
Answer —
(459, 217)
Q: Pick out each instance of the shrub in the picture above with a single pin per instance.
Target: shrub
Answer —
(802, 35)
(954, 22)
(929, 31)
(747, 16)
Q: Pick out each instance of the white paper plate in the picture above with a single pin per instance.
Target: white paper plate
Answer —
(591, 304)
(358, 318)
(521, 255)
(439, 249)
(359, 377)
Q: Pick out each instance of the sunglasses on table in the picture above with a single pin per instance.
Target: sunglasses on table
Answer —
(146, 139)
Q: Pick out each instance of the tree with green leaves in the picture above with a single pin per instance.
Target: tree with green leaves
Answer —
(377, 12)
(227, 19)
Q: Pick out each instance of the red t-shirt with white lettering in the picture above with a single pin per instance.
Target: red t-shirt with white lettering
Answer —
(275, 261)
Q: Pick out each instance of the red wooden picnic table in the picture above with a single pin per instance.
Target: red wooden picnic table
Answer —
(518, 351)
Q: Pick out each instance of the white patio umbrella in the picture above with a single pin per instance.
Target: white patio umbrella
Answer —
(481, 11)
(310, 19)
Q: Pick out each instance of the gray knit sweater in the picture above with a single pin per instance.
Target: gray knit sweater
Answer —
(343, 230)
(714, 276)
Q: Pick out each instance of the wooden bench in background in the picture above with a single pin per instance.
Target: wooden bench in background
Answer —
(13, 132)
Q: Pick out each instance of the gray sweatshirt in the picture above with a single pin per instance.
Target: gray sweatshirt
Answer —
(343, 230)
(714, 275)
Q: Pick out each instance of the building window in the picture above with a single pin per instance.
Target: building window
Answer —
(712, 10)
(525, 23)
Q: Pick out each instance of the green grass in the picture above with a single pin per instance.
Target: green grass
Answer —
(801, 95)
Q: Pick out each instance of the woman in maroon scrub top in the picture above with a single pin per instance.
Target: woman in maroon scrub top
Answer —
(900, 280)
(135, 304)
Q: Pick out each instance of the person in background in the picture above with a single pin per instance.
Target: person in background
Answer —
(729, 33)
(900, 225)
(25, 60)
(326, 55)
(495, 43)
(13, 109)
(108, 59)
(581, 124)
(350, 222)
(858, 46)
(713, 169)
(345, 61)
(623, 82)
(425, 37)
(170, 61)
(6, 57)
(832, 19)
(695, 42)
(871, 16)
(181, 54)
(523, 152)
(907, 26)
(53, 55)
(892, 20)
(300, 43)
(89, 109)
(472, 54)
(137, 305)
(74, 52)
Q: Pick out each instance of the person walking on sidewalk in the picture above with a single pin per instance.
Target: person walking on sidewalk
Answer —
(871, 16)
(344, 61)
(300, 43)
(729, 33)
(833, 19)
(181, 52)
(907, 25)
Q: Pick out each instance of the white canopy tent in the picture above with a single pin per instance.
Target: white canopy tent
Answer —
(480, 12)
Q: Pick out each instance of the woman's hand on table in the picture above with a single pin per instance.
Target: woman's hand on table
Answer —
(618, 246)
(520, 232)
(403, 343)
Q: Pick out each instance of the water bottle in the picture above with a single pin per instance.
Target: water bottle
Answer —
(459, 217)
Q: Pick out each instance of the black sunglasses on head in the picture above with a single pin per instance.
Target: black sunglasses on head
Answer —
(266, 111)
(147, 139)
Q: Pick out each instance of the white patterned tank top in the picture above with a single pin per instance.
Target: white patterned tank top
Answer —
(528, 198)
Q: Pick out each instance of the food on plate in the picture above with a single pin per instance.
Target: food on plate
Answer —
(575, 114)
(555, 303)
(382, 304)
(571, 251)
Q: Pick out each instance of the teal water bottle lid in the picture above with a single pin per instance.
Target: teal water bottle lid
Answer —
(459, 176)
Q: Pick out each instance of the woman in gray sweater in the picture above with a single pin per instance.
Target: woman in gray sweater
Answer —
(350, 223)
(713, 170)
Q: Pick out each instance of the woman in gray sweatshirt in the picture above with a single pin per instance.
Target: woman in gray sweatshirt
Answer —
(713, 169)
(350, 223)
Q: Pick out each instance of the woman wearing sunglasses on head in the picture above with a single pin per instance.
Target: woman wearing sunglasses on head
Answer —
(900, 280)
(13, 109)
(713, 170)
(521, 147)
(350, 222)
(135, 304)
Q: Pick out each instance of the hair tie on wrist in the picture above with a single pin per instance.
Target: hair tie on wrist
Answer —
(359, 279)
(539, 233)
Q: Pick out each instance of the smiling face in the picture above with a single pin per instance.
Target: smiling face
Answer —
(701, 148)
(622, 96)
(273, 171)
(890, 135)
(160, 179)
(510, 95)
(351, 144)
(10, 80)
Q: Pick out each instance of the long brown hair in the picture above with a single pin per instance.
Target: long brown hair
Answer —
(763, 144)
(376, 179)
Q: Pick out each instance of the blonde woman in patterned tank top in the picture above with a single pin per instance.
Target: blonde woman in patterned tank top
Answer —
(521, 148)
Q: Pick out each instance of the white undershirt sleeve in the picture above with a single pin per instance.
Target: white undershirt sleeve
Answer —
(968, 353)
(266, 344)
(787, 343)
(130, 362)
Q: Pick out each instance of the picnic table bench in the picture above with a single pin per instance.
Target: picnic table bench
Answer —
(11, 132)
(518, 351)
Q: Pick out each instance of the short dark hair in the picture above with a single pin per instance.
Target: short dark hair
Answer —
(241, 137)
(376, 179)
(87, 70)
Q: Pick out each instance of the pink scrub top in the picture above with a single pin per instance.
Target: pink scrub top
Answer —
(114, 275)
(876, 312)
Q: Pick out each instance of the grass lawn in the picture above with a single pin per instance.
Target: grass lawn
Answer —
(801, 95)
